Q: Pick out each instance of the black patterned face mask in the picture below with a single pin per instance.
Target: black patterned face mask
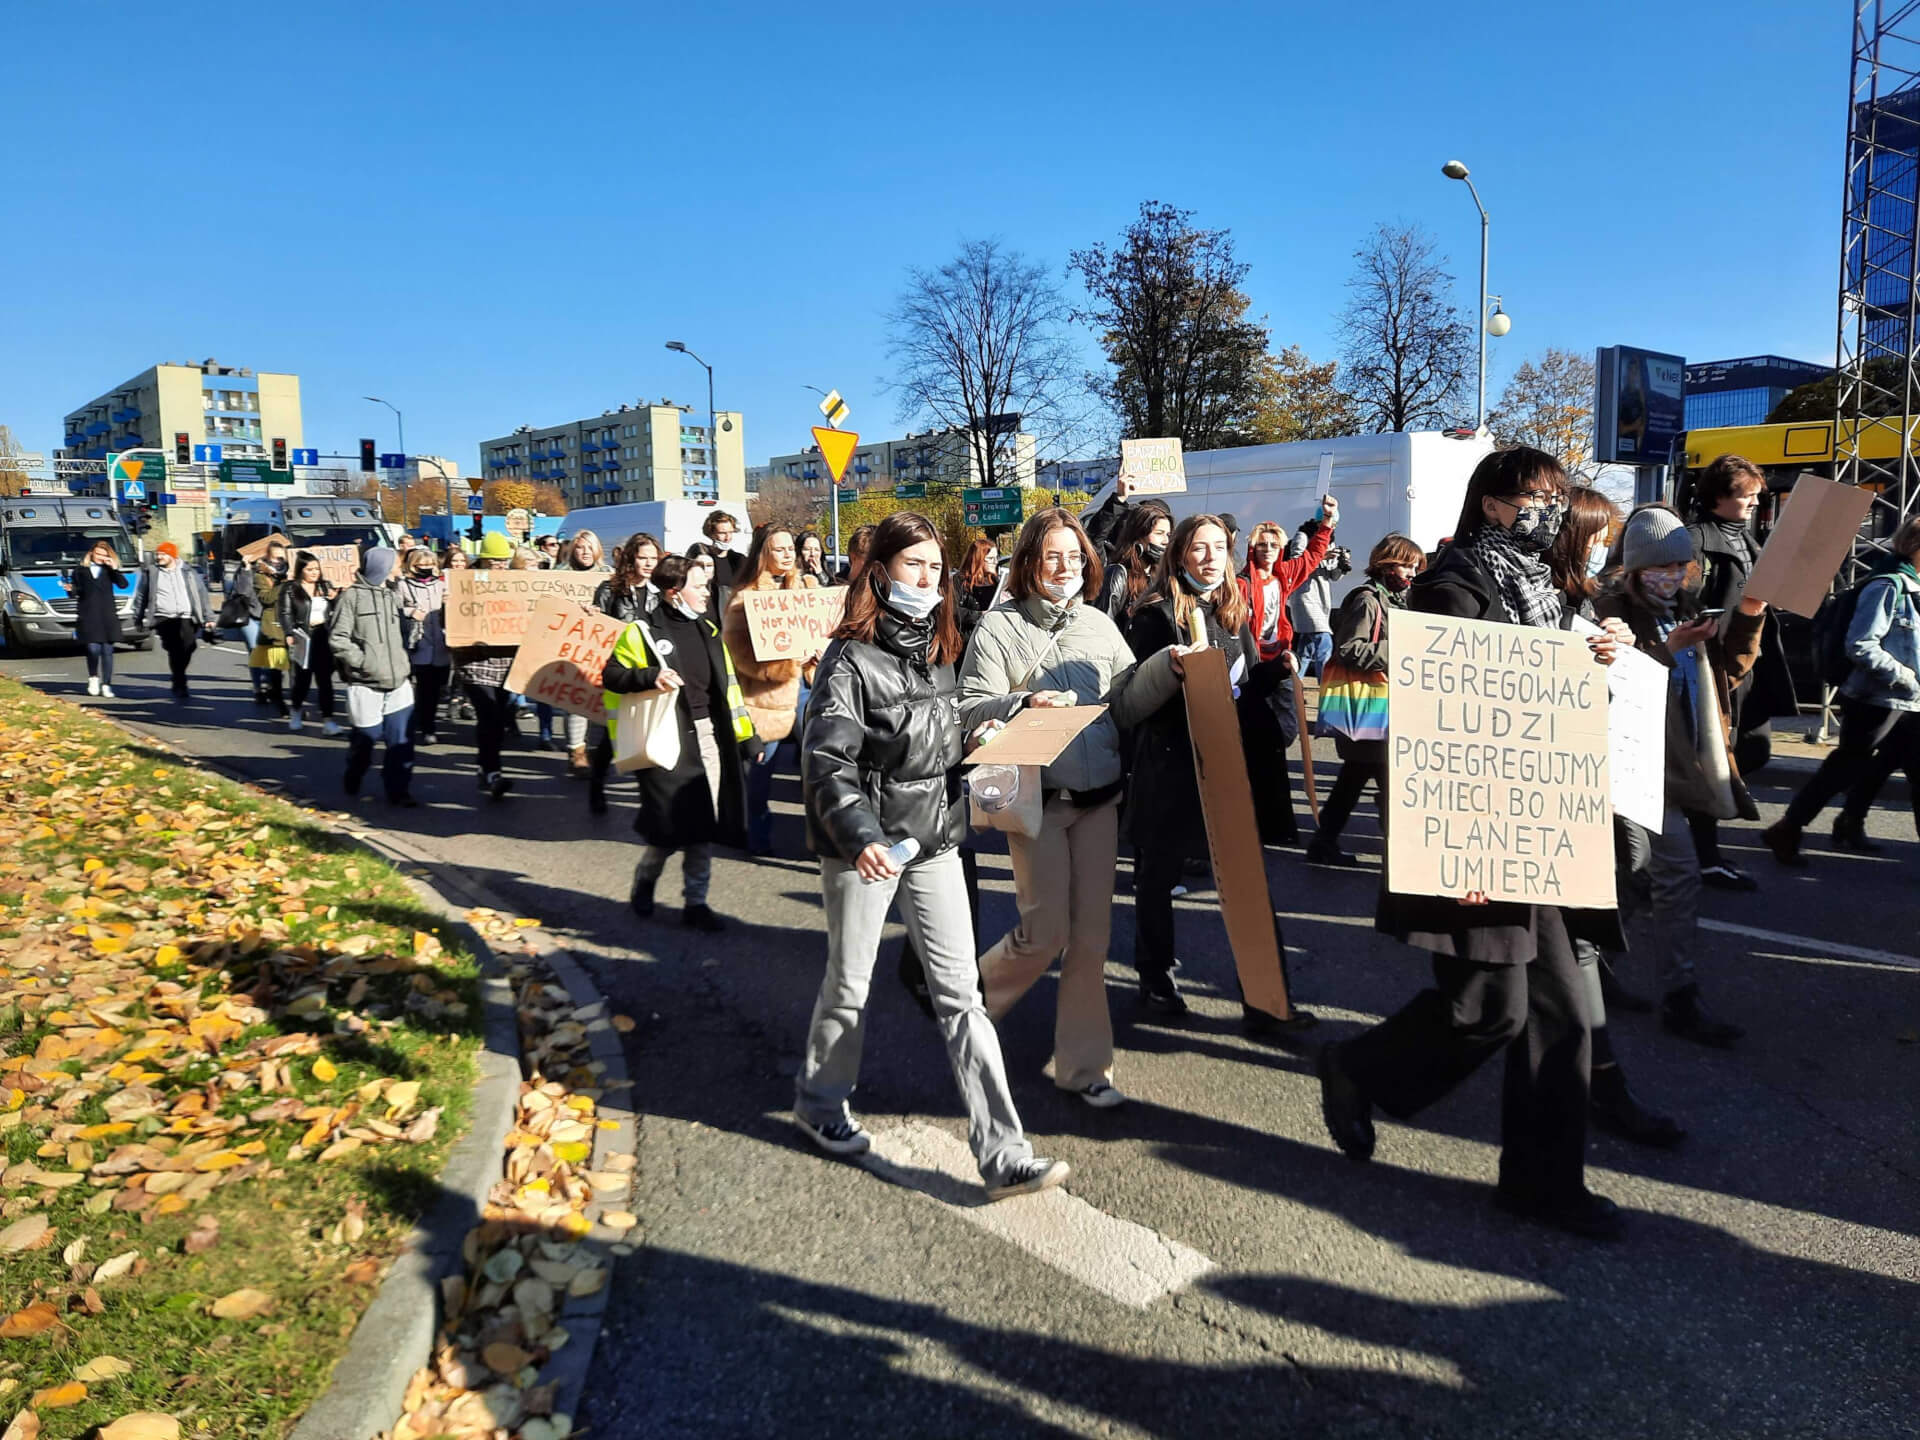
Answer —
(1539, 528)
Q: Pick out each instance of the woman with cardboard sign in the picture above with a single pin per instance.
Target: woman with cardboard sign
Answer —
(1049, 644)
(1195, 604)
(1505, 973)
(775, 689)
(885, 814)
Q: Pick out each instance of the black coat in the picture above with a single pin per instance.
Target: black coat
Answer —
(96, 614)
(884, 744)
(1163, 813)
(1499, 933)
(1767, 693)
(676, 806)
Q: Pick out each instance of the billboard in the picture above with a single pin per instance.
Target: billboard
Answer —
(1639, 405)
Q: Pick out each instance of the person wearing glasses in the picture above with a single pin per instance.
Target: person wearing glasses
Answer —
(1505, 974)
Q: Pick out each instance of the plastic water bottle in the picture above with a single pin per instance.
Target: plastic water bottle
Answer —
(900, 852)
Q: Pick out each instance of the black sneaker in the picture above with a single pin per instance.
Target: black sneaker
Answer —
(1264, 1025)
(1348, 1113)
(1330, 854)
(1723, 876)
(1590, 1216)
(1613, 1108)
(640, 898)
(841, 1136)
(1783, 839)
(596, 798)
(1160, 996)
(495, 784)
(1852, 835)
(1028, 1177)
(700, 917)
(1618, 996)
(1684, 1014)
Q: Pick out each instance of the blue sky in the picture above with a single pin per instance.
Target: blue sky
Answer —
(496, 214)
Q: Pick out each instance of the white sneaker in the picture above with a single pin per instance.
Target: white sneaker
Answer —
(106, 692)
(841, 1136)
(93, 684)
(1030, 1176)
(329, 728)
(1101, 1096)
(294, 722)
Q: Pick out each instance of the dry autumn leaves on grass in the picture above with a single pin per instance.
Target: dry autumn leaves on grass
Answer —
(233, 1051)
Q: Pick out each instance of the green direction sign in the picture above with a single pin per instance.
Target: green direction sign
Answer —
(145, 469)
(910, 490)
(847, 497)
(991, 508)
(246, 474)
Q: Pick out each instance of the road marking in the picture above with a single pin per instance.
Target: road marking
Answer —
(1122, 1260)
(1830, 947)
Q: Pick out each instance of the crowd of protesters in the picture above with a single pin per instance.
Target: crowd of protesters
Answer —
(933, 654)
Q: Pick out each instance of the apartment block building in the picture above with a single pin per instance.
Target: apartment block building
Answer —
(238, 409)
(937, 457)
(638, 452)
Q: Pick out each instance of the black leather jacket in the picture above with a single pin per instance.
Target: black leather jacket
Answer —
(626, 606)
(883, 745)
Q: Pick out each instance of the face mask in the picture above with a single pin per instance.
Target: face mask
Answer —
(679, 603)
(1396, 583)
(1153, 554)
(1596, 561)
(1061, 591)
(913, 601)
(1197, 586)
(1662, 584)
(1537, 529)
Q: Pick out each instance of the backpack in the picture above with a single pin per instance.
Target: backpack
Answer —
(1830, 625)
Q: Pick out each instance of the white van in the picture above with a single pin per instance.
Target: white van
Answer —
(1411, 482)
(674, 523)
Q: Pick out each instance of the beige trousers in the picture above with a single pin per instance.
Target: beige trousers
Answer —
(1063, 884)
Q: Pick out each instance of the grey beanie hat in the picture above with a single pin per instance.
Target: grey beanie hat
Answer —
(377, 564)
(1654, 537)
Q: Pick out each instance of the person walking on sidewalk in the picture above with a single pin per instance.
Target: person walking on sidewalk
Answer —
(373, 661)
(1505, 974)
(302, 612)
(775, 689)
(258, 583)
(482, 671)
(885, 814)
(96, 620)
(1048, 644)
(702, 800)
(173, 603)
(422, 593)
(1880, 699)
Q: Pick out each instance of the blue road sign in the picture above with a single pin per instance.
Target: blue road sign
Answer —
(133, 489)
(393, 462)
(306, 457)
(207, 454)
(476, 503)
(169, 498)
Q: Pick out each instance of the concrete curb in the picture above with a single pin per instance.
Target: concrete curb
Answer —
(397, 1332)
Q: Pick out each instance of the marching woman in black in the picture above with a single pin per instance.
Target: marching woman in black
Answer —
(302, 610)
(1193, 587)
(96, 619)
(1505, 975)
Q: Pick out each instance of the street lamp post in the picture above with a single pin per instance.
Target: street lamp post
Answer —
(401, 421)
(833, 485)
(713, 428)
(1498, 323)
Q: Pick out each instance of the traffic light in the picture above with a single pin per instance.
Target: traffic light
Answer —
(367, 456)
(279, 454)
(182, 448)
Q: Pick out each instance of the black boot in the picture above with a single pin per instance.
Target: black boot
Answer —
(1783, 839)
(640, 898)
(1618, 996)
(1685, 1015)
(1611, 1106)
(1160, 996)
(1851, 834)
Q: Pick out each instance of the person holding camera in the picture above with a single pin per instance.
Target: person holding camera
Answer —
(1311, 609)
(1268, 721)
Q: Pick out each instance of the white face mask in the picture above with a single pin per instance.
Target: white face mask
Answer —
(679, 603)
(914, 601)
(1062, 592)
(1596, 561)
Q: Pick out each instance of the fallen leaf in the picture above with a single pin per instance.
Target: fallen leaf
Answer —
(142, 1425)
(24, 1234)
(116, 1267)
(505, 1359)
(74, 1251)
(588, 1282)
(362, 1272)
(103, 1367)
(624, 1024)
(244, 1304)
(325, 1071)
(58, 1397)
(202, 1237)
(34, 1320)
(25, 1426)
(619, 1220)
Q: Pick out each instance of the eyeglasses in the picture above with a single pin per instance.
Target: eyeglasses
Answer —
(1075, 561)
(1529, 500)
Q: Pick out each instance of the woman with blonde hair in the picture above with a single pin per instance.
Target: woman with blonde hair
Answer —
(775, 690)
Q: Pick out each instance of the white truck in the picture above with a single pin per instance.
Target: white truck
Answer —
(1411, 483)
(674, 523)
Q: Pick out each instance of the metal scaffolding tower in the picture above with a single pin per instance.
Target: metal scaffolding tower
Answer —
(1878, 357)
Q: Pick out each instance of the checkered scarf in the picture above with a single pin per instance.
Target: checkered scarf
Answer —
(1521, 575)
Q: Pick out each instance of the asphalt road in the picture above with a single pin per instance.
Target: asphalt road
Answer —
(1769, 1285)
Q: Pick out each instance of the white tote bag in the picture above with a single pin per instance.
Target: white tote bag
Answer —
(647, 727)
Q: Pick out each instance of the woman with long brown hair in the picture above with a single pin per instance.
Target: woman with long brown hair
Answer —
(978, 579)
(1139, 543)
(774, 689)
(1195, 604)
(885, 814)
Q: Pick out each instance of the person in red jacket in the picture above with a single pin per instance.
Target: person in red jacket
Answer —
(1268, 722)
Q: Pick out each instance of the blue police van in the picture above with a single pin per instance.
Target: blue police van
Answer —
(42, 537)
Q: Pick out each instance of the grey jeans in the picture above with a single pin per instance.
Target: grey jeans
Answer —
(933, 902)
(697, 868)
(1660, 897)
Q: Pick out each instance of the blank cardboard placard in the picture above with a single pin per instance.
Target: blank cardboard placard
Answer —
(1497, 772)
(1036, 737)
(1233, 837)
(560, 660)
(1636, 734)
(1154, 467)
(792, 624)
(1816, 528)
(492, 607)
(254, 549)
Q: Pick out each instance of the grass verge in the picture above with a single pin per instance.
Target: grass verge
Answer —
(234, 1051)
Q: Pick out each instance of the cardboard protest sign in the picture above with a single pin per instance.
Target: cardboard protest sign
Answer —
(1153, 467)
(1497, 770)
(339, 564)
(560, 660)
(792, 624)
(1233, 838)
(492, 607)
(255, 549)
(1636, 734)
(1036, 737)
(1816, 528)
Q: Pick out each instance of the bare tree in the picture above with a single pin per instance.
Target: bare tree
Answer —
(1173, 322)
(1548, 404)
(783, 500)
(1408, 352)
(979, 351)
